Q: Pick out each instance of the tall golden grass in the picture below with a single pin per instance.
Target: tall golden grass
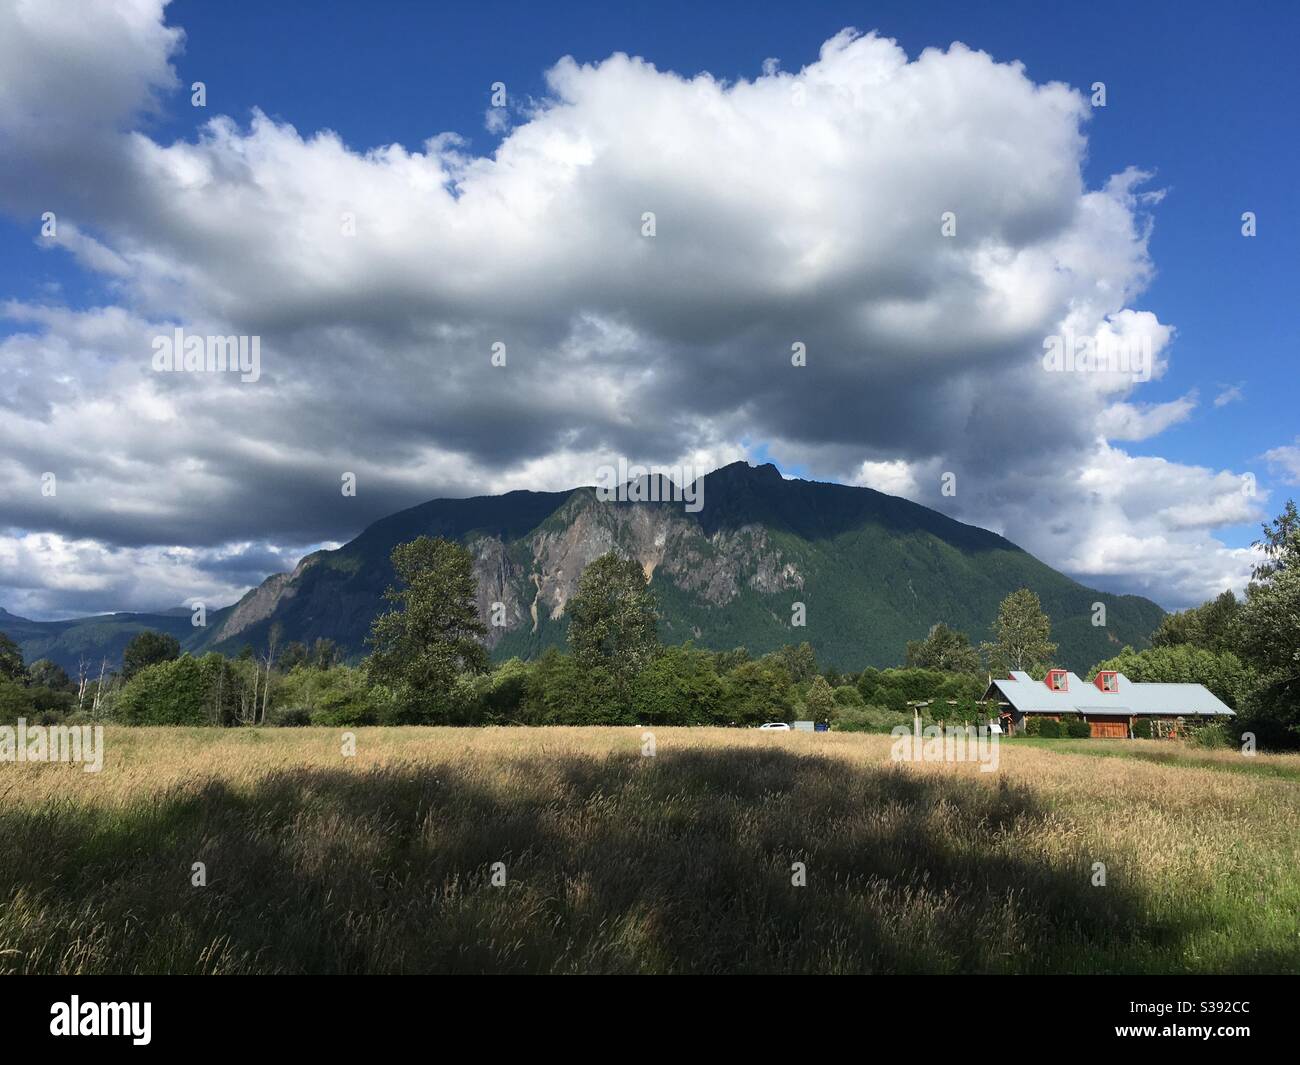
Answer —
(618, 862)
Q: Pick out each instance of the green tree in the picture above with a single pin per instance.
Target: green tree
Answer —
(1280, 543)
(1269, 630)
(800, 662)
(725, 661)
(500, 695)
(562, 691)
(338, 696)
(11, 659)
(820, 701)
(181, 691)
(1212, 626)
(324, 653)
(146, 649)
(433, 633)
(895, 689)
(1022, 636)
(15, 701)
(613, 618)
(294, 654)
(680, 687)
(755, 692)
(46, 674)
(944, 649)
(1220, 671)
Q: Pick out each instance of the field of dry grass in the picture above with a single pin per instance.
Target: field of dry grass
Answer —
(617, 862)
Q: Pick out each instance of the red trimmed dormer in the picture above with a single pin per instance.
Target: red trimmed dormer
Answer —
(1107, 681)
(1057, 680)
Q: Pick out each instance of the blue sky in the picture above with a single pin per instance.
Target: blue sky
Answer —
(1201, 95)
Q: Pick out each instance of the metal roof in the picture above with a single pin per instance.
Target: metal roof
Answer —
(1130, 697)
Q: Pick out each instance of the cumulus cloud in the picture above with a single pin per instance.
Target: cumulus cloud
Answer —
(920, 225)
(895, 478)
(1138, 421)
(1286, 461)
(55, 576)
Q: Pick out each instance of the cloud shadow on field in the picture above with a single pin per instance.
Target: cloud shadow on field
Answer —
(677, 863)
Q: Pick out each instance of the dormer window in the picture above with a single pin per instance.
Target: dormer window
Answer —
(1108, 681)
(1056, 680)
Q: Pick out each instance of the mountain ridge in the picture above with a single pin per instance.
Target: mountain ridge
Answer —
(872, 570)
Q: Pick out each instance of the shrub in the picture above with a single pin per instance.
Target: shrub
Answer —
(867, 719)
(338, 696)
(168, 693)
(15, 701)
(501, 692)
(1210, 734)
(847, 695)
(895, 688)
(1049, 729)
(560, 691)
(1267, 718)
(1144, 729)
(1078, 730)
(290, 717)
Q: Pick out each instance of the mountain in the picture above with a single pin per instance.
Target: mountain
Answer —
(90, 640)
(872, 570)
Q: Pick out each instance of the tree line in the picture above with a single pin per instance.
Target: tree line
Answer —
(427, 664)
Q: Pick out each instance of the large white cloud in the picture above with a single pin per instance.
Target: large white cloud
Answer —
(812, 208)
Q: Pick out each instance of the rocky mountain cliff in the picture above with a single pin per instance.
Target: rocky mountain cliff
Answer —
(873, 571)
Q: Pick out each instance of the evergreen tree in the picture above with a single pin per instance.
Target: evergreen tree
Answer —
(820, 700)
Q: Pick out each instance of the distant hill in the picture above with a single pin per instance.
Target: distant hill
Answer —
(93, 639)
(873, 571)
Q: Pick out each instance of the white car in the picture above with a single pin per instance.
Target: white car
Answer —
(775, 726)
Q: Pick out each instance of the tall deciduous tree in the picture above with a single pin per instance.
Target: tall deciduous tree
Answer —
(148, 648)
(1280, 543)
(1269, 623)
(944, 649)
(434, 632)
(800, 662)
(1220, 671)
(613, 618)
(46, 674)
(1022, 635)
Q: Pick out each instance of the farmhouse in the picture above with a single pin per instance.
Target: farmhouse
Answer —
(1111, 703)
